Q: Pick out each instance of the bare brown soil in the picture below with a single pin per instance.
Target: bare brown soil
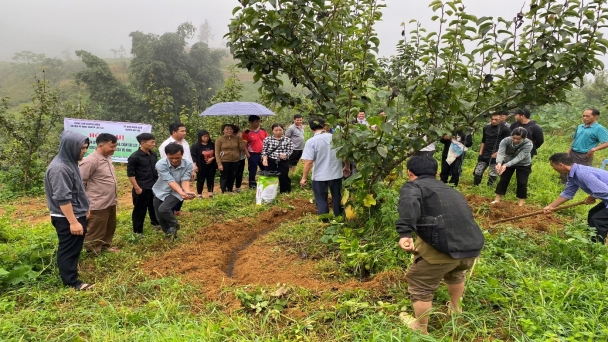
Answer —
(485, 213)
(236, 253)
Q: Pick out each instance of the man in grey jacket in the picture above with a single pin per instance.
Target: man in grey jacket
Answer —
(69, 205)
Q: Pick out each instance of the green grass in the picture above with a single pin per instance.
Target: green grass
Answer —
(525, 287)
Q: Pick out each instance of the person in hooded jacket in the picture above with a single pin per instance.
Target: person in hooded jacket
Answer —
(69, 206)
(514, 156)
(203, 156)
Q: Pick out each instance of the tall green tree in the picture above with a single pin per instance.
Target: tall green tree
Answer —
(30, 65)
(441, 80)
(189, 72)
(29, 138)
(110, 98)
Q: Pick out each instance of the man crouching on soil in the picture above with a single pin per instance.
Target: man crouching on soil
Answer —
(171, 187)
(448, 240)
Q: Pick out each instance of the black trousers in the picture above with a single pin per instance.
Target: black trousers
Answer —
(206, 174)
(282, 166)
(228, 175)
(454, 169)
(239, 173)
(522, 174)
(69, 249)
(142, 203)
(598, 219)
(319, 190)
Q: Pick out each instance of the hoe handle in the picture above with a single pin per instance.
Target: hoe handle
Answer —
(537, 213)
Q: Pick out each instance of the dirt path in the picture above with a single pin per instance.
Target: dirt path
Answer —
(485, 213)
(236, 253)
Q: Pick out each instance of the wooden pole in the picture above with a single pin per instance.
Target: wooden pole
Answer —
(536, 213)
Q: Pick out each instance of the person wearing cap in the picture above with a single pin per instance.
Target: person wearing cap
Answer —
(535, 132)
(254, 137)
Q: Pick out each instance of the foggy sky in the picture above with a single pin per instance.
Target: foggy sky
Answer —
(53, 26)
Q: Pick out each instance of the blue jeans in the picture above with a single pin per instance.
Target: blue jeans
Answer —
(255, 161)
(320, 191)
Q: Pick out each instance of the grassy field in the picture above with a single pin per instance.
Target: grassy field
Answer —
(289, 286)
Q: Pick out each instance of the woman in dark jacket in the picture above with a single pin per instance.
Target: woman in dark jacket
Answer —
(203, 156)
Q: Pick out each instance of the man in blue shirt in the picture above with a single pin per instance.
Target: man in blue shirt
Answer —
(591, 180)
(328, 170)
(589, 138)
(171, 187)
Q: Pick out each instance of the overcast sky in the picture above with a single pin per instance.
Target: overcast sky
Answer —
(53, 26)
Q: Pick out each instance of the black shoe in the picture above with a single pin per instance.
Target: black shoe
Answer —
(171, 233)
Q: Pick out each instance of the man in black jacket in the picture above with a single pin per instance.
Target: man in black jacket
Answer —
(492, 135)
(448, 239)
(453, 168)
(535, 133)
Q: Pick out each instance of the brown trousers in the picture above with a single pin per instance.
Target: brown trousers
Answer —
(423, 278)
(578, 158)
(101, 226)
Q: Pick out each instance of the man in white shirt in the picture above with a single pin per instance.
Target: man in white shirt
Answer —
(328, 171)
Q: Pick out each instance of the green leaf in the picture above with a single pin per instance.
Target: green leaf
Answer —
(382, 151)
(539, 64)
(369, 200)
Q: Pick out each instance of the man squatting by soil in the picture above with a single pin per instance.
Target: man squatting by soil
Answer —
(448, 238)
(172, 187)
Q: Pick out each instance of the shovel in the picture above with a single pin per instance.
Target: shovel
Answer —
(535, 213)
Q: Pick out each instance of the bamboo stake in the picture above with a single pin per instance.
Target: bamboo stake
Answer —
(535, 213)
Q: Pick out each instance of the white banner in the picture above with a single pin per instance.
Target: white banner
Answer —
(124, 131)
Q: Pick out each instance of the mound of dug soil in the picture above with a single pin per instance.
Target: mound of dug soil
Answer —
(234, 253)
(486, 213)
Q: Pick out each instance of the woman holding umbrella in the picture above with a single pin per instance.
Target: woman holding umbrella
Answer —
(275, 156)
(227, 153)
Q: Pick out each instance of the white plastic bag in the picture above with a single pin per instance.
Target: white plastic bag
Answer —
(267, 188)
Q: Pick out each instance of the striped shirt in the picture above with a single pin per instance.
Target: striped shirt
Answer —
(274, 147)
(591, 180)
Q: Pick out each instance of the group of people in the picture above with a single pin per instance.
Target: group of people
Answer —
(82, 200)
(448, 238)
